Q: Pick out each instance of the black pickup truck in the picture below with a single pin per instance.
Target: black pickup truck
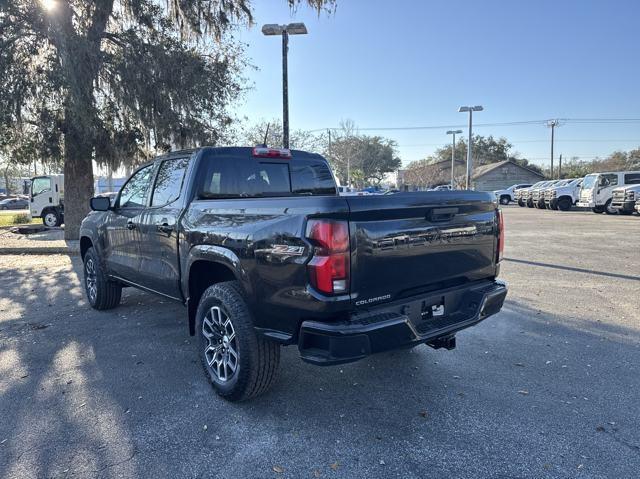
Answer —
(262, 250)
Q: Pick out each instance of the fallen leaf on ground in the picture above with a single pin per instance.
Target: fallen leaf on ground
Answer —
(524, 392)
(423, 413)
(600, 429)
(334, 466)
(278, 469)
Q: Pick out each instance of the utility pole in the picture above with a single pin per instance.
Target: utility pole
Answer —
(453, 155)
(560, 167)
(552, 124)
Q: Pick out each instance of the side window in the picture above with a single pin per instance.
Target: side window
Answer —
(134, 191)
(608, 180)
(169, 181)
(632, 179)
(312, 178)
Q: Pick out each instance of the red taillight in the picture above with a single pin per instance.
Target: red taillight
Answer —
(265, 152)
(329, 267)
(500, 222)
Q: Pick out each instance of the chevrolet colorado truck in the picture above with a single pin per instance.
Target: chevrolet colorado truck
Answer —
(263, 252)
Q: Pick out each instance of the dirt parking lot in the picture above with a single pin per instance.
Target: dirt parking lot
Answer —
(550, 387)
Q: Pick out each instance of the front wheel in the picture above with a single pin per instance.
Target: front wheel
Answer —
(608, 209)
(101, 292)
(51, 219)
(238, 363)
(564, 204)
(504, 200)
(521, 204)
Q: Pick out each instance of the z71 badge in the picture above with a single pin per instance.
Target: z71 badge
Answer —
(286, 250)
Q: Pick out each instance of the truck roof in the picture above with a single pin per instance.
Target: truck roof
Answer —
(229, 150)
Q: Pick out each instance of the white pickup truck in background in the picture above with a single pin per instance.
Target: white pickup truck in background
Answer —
(508, 195)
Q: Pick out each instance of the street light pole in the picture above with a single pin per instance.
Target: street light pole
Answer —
(285, 89)
(453, 154)
(470, 109)
(285, 31)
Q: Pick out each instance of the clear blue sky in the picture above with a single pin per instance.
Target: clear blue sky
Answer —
(412, 63)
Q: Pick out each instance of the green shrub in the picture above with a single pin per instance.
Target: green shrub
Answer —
(21, 219)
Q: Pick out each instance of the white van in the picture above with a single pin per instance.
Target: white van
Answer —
(597, 189)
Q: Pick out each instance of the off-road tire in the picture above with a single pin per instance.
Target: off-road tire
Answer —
(258, 358)
(107, 293)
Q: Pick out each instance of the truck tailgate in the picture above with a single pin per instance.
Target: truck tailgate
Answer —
(413, 243)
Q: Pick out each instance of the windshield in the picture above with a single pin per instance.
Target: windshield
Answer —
(589, 181)
(40, 185)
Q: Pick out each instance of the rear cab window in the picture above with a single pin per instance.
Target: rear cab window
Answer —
(632, 179)
(245, 176)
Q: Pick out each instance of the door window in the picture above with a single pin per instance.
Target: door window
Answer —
(134, 191)
(169, 181)
(608, 180)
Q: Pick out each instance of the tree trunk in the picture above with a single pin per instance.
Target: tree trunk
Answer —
(78, 185)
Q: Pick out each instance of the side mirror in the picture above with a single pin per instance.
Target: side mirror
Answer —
(100, 203)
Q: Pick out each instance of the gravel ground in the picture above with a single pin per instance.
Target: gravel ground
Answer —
(550, 387)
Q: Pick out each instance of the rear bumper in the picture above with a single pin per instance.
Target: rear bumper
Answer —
(401, 324)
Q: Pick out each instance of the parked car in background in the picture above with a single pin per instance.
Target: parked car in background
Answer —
(597, 189)
(522, 194)
(508, 195)
(14, 204)
(563, 195)
(638, 205)
(624, 199)
(262, 250)
(536, 194)
(442, 188)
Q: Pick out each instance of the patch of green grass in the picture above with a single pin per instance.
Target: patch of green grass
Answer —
(17, 219)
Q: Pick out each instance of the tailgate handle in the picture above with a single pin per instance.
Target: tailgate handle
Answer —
(442, 214)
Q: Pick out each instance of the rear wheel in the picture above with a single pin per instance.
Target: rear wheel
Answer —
(521, 203)
(51, 219)
(504, 200)
(238, 363)
(101, 292)
(598, 209)
(608, 209)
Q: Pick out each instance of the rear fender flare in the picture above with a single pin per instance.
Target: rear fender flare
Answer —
(216, 255)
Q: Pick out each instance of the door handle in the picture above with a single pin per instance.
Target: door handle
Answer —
(131, 225)
(165, 228)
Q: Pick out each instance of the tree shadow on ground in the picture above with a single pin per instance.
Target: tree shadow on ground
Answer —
(121, 393)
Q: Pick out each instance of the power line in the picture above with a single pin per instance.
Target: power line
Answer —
(480, 125)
